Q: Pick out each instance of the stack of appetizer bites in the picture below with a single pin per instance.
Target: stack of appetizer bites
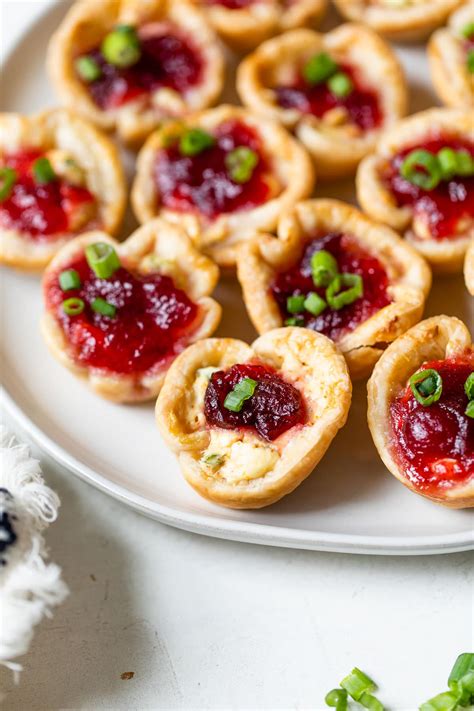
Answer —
(335, 293)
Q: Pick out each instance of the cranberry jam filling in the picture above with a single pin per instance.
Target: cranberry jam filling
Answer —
(42, 210)
(167, 60)
(151, 320)
(361, 104)
(351, 258)
(274, 407)
(435, 443)
(446, 205)
(202, 183)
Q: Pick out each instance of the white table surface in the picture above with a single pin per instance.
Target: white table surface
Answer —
(205, 623)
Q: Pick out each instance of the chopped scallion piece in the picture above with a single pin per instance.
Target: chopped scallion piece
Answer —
(73, 306)
(314, 303)
(319, 68)
(469, 390)
(470, 408)
(340, 84)
(195, 141)
(371, 702)
(447, 701)
(357, 683)
(8, 178)
(101, 306)
(294, 321)
(336, 298)
(121, 47)
(214, 461)
(295, 304)
(421, 168)
(102, 259)
(43, 171)
(468, 30)
(88, 69)
(69, 279)
(464, 163)
(448, 161)
(242, 391)
(324, 268)
(426, 386)
(241, 163)
(337, 698)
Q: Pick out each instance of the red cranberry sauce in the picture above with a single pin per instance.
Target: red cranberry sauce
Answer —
(150, 324)
(435, 443)
(443, 207)
(362, 104)
(231, 4)
(167, 60)
(40, 210)
(351, 258)
(202, 183)
(274, 408)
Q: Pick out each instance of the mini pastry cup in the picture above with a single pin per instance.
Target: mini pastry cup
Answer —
(253, 472)
(435, 338)
(469, 268)
(246, 28)
(157, 247)
(83, 29)
(94, 153)
(335, 145)
(399, 21)
(261, 259)
(291, 172)
(452, 80)
(444, 255)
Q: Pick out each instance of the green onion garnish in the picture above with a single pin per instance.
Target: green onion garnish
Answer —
(421, 168)
(448, 161)
(242, 391)
(337, 698)
(294, 321)
(357, 683)
(88, 69)
(336, 298)
(295, 304)
(468, 30)
(241, 163)
(470, 408)
(324, 268)
(73, 306)
(469, 390)
(195, 141)
(69, 279)
(470, 61)
(8, 178)
(43, 171)
(340, 84)
(101, 306)
(465, 662)
(426, 386)
(447, 701)
(464, 163)
(214, 461)
(314, 304)
(102, 259)
(121, 47)
(371, 702)
(319, 68)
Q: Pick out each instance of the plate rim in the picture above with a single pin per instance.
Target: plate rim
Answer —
(243, 531)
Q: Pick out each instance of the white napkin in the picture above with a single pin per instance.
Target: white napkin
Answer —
(29, 586)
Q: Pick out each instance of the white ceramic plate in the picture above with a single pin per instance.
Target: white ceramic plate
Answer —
(351, 503)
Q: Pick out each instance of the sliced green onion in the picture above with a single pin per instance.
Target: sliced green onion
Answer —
(121, 47)
(447, 701)
(430, 174)
(242, 391)
(464, 163)
(340, 84)
(207, 372)
(8, 178)
(88, 69)
(69, 279)
(101, 306)
(357, 683)
(371, 702)
(468, 30)
(73, 306)
(102, 259)
(319, 68)
(295, 304)
(241, 163)
(470, 61)
(195, 141)
(43, 171)
(465, 662)
(314, 303)
(426, 386)
(470, 408)
(448, 161)
(214, 461)
(324, 268)
(336, 298)
(294, 321)
(337, 698)
(469, 390)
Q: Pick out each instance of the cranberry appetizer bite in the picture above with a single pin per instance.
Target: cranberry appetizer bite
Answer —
(451, 55)
(243, 24)
(127, 64)
(420, 181)
(59, 176)
(223, 175)
(421, 410)
(469, 268)
(118, 314)
(249, 423)
(332, 269)
(335, 91)
(399, 19)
